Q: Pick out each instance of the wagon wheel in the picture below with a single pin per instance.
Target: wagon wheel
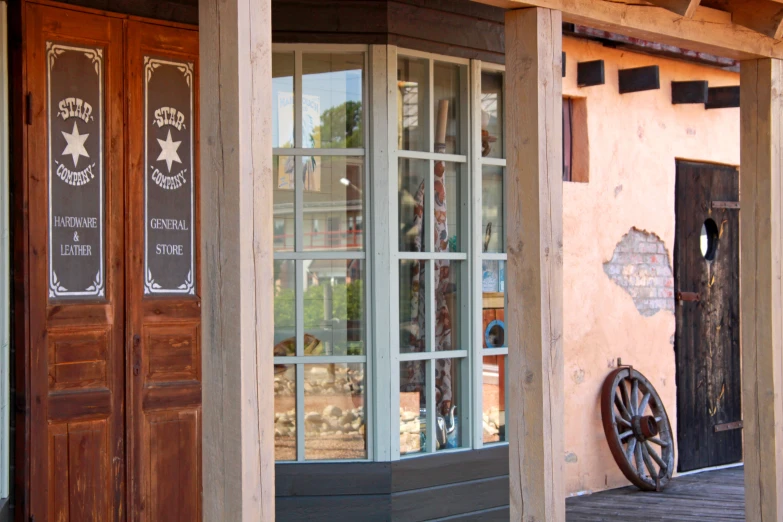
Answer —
(637, 429)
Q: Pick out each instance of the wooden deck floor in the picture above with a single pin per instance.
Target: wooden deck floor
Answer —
(712, 495)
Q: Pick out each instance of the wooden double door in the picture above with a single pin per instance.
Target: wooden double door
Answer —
(707, 339)
(111, 186)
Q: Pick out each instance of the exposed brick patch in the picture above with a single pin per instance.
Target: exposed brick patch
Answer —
(640, 265)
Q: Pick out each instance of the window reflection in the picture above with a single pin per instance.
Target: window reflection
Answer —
(332, 99)
(283, 100)
(412, 105)
(492, 115)
(334, 412)
(334, 307)
(413, 407)
(492, 201)
(283, 203)
(285, 412)
(333, 217)
(285, 308)
(494, 398)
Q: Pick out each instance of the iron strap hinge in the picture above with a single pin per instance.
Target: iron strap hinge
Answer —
(727, 426)
(687, 296)
(726, 204)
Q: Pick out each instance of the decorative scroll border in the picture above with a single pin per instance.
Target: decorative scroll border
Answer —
(150, 286)
(53, 51)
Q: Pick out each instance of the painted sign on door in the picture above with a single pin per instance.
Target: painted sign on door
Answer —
(169, 195)
(76, 178)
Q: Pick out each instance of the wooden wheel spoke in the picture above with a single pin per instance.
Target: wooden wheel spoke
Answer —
(657, 458)
(643, 404)
(624, 422)
(659, 442)
(630, 451)
(639, 460)
(622, 409)
(624, 435)
(626, 400)
(635, 397)
(648, 462)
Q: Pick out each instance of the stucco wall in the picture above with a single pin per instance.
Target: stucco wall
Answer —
(634, 141)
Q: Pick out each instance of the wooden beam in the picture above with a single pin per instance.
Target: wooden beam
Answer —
(761, 290)
(534, 131)
(689, 92)
(646, 78)
(686, 8)
(763, 16)
(236, 240)
(723, 97)
(590, 73)
(708, 31)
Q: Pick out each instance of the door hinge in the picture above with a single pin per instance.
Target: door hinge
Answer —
(726, 204)
(726, 426)
(687, 296)
(28, 100)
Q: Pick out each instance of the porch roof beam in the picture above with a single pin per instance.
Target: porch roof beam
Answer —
(708, 31)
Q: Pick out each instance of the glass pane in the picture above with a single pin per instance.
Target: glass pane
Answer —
(412, 197)
(285, 308)
(493, 287)
(447, 206)
(492, 114)
(447, 306)
(413, 127)
(334, 412)
(446, 107)
(333, 203)
(492, 217)
(332, 98)
(283, 203)
(285, 412)
(413, 407)
(334, 307)
(448, 433)
(413, 306)
(494, 398)
(282, 100)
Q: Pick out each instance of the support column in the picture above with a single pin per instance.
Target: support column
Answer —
(761, 286)
(237, 272)
(534, 188)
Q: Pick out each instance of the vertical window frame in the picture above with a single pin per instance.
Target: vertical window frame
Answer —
(299, 255)
(478, 257)
(465, 384)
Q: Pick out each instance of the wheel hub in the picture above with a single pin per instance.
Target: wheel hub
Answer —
(644, 427)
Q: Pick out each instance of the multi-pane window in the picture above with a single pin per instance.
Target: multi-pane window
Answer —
(320, 268)
(491, 247)
(433, 221)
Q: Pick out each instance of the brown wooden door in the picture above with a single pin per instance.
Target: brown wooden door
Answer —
(76, 264)
(164, 310)
(115, 363)
(707, 347)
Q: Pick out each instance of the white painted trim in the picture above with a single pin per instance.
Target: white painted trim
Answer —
(5, 294)
(497, 162)
(298, 151)
(420, 155)
(428, 356)
(431, 256)
(410, 53)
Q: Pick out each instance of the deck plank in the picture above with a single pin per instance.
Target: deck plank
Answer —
(712, 495)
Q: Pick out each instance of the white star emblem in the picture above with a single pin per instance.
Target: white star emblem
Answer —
(168, 151)
(75, 145)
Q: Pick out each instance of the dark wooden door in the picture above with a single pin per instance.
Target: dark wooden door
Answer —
(163, 305)
(114, 319)
(707, 346)
(74, 64)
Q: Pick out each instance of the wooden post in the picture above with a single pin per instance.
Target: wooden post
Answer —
(534, 134)
(761, 290)
(237, 294)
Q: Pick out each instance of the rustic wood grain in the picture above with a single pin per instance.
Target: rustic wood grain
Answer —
(707, 338)
(535, 259)
(236, 197)
(761, 277)
(158, 325)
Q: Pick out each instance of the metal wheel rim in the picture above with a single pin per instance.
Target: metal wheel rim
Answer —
(646, 461)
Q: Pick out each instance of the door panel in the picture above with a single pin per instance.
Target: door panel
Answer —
(162, 302)
(707, 347)
(74, 65)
